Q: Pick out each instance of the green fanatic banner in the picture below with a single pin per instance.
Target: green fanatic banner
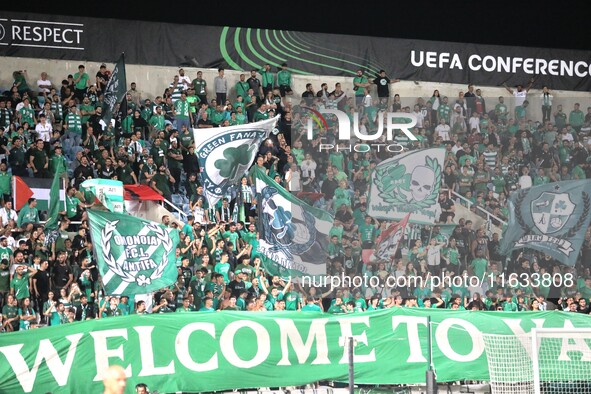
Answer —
(198, 352)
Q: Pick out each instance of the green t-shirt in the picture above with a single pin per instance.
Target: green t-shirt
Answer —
(224, 269)
(242, 89)
(233, 237)
(498, 183)
(359, 91)
(368, 232)
(284, 78)
(173, 163)
(481, 176)
(5, 183)
(10, 312)
(479, 266)
(453, 254)
(199, 85)
(83, 82)
(161, 182)
(182, 109)
(20, 286)
(27, 215)
(444, 112)
(311, 308)
(27, 115)
(292, 300)
(88, 108)
(72, 206)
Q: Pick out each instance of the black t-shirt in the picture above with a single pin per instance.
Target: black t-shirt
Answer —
(61, 275)
(42, 278)
(546, 159)
(187, 275)
(446, 204)
(328, 188)
(236, 287)
(254, 84)
(383, 84)
(205, 122)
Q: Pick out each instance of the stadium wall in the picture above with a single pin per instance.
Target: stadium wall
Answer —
(152, 80)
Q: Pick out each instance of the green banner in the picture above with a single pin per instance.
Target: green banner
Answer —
(55, 204)
(107, 192)
(197, 352)
(135, 256)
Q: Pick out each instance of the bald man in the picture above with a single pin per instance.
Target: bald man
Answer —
(115, 380)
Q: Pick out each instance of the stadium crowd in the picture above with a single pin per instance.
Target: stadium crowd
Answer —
(492, 150)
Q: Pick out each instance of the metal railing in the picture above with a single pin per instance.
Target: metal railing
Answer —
(469, 204)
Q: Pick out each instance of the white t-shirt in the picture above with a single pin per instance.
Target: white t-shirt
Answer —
(434, 255)
(199, 213)
(443, 131)
(519, 97)
(294, 182)
(474, 123)
(186, 81)
(308, 169)
(525, 181)
(47, 83)
(44, 131)
(6, 216)
(420, 119)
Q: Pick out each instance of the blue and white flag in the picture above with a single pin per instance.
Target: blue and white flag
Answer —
(293, 235)
(551, 218)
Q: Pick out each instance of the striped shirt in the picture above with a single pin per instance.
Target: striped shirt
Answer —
(176, 91)
(74, 122)
(56, 108)
(490, 158)
(4, 117)
(246, 194)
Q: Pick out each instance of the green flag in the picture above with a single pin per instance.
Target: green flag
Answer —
(446, 230)
(134, 256)
(407, 183)
(107, 192)
(207, 352)
(226, 153)
(293, 235)
(54, 199)
(551, 218)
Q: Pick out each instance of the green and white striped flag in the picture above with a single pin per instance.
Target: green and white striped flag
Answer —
(107, 192)
(134, 256)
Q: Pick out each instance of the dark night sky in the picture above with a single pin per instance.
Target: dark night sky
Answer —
(550, 24)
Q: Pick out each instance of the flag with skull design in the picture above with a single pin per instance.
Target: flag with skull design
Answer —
(293, 235)
(407, 183)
